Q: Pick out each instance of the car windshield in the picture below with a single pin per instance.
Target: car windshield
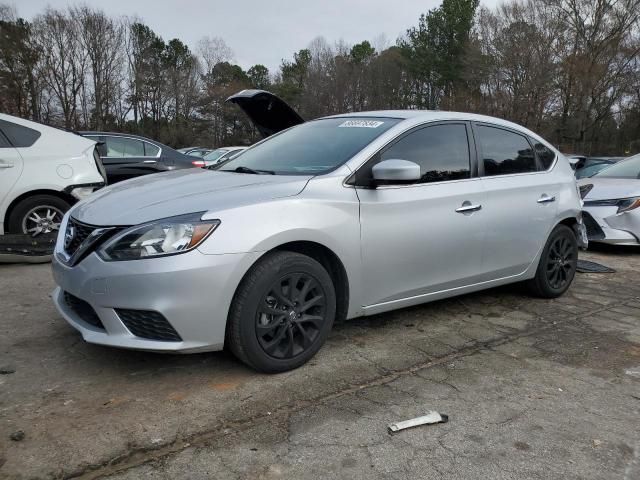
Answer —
(629, 168)
(591, 170)
(311, 148)
(217, 153)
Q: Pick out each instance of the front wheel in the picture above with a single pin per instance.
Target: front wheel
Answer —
(557, 265)
(282, 312)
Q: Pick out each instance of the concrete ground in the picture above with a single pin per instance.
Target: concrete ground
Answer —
(533, 389)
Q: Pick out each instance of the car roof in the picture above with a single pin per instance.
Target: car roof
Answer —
(419, 116)
(428, 115)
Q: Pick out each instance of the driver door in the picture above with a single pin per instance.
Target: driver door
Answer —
(421, 238)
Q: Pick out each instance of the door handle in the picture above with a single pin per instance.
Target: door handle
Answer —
(149, 161)
(467, 207)
(546, 199)
(6, 165)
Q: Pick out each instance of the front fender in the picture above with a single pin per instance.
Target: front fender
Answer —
(268, 225)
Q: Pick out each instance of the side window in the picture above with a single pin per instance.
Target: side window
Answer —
(442, 151)
(119, 147)
(150, 150)
(505, 152)
(19, 136)
(545, 154)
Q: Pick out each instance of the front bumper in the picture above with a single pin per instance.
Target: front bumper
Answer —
(605, 225)
(192, 291)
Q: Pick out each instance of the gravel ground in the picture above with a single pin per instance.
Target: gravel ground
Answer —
(533, 389)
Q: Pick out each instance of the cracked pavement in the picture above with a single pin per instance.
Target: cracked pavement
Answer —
(533, 389)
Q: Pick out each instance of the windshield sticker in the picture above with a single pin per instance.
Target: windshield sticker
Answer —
(361, 124)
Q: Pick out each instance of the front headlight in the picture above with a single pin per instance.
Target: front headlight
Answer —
(168, 236)
(627, 204)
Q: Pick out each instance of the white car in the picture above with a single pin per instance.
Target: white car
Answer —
(43, 172)
(612, 203)
(221, 155)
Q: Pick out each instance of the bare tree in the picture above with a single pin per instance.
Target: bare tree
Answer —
(63, 61)
(213, 50)
(102, 38)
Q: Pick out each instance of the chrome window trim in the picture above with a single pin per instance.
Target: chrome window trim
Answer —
(158, 155)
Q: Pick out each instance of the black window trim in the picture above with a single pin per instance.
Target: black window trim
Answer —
(473, 156)
(533, 142)
(528, 139)
(6, 140)
(8, 137)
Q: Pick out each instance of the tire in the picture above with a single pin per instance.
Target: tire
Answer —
(557, 266)
(19, 217)
(273, 327)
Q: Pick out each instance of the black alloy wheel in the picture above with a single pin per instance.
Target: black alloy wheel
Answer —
(291, 315)
(282, 312)
(558, 263)
(561, 262)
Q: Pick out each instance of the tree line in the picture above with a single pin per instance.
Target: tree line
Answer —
(567, 69)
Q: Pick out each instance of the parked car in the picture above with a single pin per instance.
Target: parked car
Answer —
(127, 156)
(336, 218)
(220, 155)
(195, 151)
(593, 165)
(43, 171)
(611, 203)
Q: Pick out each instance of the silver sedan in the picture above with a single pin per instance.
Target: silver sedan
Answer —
(612, 203)
(332, 219)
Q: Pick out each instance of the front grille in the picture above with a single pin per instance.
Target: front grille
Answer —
(148, 324)
(83, 310)
(594, 232)
(75, 234)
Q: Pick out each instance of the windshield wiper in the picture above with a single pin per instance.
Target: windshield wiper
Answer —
(243, 169)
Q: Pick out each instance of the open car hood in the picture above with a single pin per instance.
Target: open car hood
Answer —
(268, 113)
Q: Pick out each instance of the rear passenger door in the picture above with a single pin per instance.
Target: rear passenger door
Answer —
(520, 205)
(125, 157)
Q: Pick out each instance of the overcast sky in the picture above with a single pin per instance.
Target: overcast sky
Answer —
(261, 31)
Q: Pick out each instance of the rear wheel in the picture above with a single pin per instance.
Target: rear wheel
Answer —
(282, 312)
(557, 265)
(39, 214)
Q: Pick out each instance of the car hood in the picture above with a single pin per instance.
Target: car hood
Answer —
(268, 113)
(168, 194)
(611, 188)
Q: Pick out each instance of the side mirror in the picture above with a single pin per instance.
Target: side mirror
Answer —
(396, 170)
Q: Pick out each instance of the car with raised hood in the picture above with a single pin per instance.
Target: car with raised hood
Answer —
(322, 221)
(43, 171)
(126, 156)
(612, 203)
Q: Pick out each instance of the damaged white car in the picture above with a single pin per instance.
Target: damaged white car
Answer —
(612, 203)
(43, 172)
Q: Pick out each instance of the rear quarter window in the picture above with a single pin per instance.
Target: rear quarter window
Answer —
(546, 156)
(18, 135)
